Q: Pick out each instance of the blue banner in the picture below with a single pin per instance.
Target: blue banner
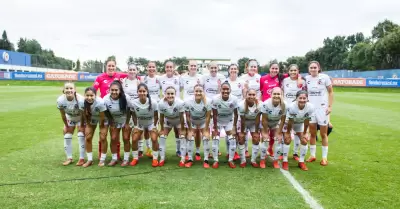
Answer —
(38, 76)
(87, 76)
(383, 82)
(5, 76)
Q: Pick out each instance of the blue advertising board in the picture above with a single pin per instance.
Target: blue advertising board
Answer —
(38, 76)
(87, 76)
(383, 82)
(15, 58)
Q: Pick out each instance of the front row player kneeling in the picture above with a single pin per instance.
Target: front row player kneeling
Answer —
(298, 116)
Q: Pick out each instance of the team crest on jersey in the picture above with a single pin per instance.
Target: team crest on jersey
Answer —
(219, 106)
(126, 85)
(306, 115)
(231, 105)
(145, 81)
(308, 82)
(96, 109)
(192, 109)
(239, 85)
(270, 112)
(76, 106)
(208, 80)
(187, 82)
(175, 81)
(276, 80)
(256, 111)
(175, 109)
(280, 112)
(287, 85)
(257, 80)
(163, 82)
(204, 109)
(319, 81)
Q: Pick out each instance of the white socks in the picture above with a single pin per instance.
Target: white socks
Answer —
(256, 149)
(183, 148)
(162, 147)
(178, 144)
(303, 152)
(325, 152)
(285, 149)
(126, 156)
(206, 147)
(89, 156)
(263, 150)
(149, 144)
(242, 153)
(140, 144)
(81, 141)
(68, 145)
(189, 147)
(215, 147)
(296, 144)
(135, 155)
(313, 149)
(232, 147)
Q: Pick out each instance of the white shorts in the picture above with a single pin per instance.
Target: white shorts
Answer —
(296, 127)
(227, 126)
(320, 117)
(148, 127)
(96, 120)
(249, 125)
(174, 123)
(198, 124)
(73, 121)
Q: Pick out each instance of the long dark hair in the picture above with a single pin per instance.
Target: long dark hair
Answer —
(122, 98)
(87, 105)
(148, 95)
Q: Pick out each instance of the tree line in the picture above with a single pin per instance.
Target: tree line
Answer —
(356, 51)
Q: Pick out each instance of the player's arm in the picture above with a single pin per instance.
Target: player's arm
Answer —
(330, 99)
(215, 118)
(281, 124)
(235, 119)
(258, 122)
(162, 122)
(134, 118)
(182, 120)
(265, 129)
(63, 117)
(128, 116)
(155, 118)
(188, 121)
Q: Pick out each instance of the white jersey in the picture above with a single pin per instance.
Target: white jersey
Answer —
(97, 107)
(171, 111)
(130, 87)
(112, 105)
(72, 108)
(144, 116)
(237, 88)
(225, 109)
(212, 84)
(198, 111)
(317, 89)
(187, 83)
(173, 81)
(251, 113)
(293, 112)
(153, 84)
(253, 82)
(290, 88)
(274, 113)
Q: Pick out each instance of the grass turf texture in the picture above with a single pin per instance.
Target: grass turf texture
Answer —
(362, 169)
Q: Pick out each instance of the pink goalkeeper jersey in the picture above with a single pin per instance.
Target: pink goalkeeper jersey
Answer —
(103, 82)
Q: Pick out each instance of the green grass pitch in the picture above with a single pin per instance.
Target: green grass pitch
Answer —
(363, 170)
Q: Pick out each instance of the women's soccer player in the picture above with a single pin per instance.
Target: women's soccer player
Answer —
(94, 109)
(273, 118)
(71, 105)
(298, 116)
(198, 114)
(171, 110)
(249, 111)
(225, 116)
(145, 118)
(320, 94)
(118, 117)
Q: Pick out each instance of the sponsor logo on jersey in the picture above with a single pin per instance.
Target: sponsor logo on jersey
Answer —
(212, 91)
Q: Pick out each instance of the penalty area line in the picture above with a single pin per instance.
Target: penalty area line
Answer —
(304, 193)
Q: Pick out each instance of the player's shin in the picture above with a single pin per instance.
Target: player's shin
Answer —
(206, 147)
(232, 147)
(183, 148)
(81, 141)
(189, 147)
(215, 147)
(68, 145)
(162, 147)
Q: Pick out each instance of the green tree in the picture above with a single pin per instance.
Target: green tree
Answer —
(383, 28)
(5, 43)
(242, 63)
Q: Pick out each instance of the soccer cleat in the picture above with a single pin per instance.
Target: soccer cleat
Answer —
(324, 162)
(255, 165)
(236, 156)
(281, 157)
(154, 163)
(134, 162)
(243, 164)
(113, 163)
(181, 164)
(68, 161)
(215, 164)
(149, 153)
(140, 154)
(101, 163)
(80, 162)
(189, 164)
(247, 154)
(178, 153)
(285, 165)
(303, 166)
(161, 163)
(270, 152)
(311, 159)
(87, 164)
(197, 157)
(262, 163)
(275, 164)
(187, 157)
(296, 157)
(231, 164)
(206, 165)
(125, 163)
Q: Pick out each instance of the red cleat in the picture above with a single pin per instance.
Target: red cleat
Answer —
(324, 162)
(161, 164)
(206, 165)
(154, 163)
(215, 165)
(303, 166)
(262, 163)
(189, 164)
(187, 157)
(231, 165)
(87, 164)
(255, 165)
(113, 163)
(181, 164)
(124, 163)
(80, 162)
(275, 164)
(134, 162)
(243, 165)
(285, 165)
(197, 157)
(236, 156)
(295, 157)
(68, 161)
(311, 159)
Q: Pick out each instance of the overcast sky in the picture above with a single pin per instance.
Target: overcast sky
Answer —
(90, 29)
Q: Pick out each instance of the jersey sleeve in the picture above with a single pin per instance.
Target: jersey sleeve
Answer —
(214, 103)
(186, 105)
(290, 113)
(181, 107)
(102, 106)
(60, 103)
(241, 109)
(263, 107)
(208, 105)
(154, 105)
(97, 82)
(235, 103)
(328, 81)
(81, 103)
